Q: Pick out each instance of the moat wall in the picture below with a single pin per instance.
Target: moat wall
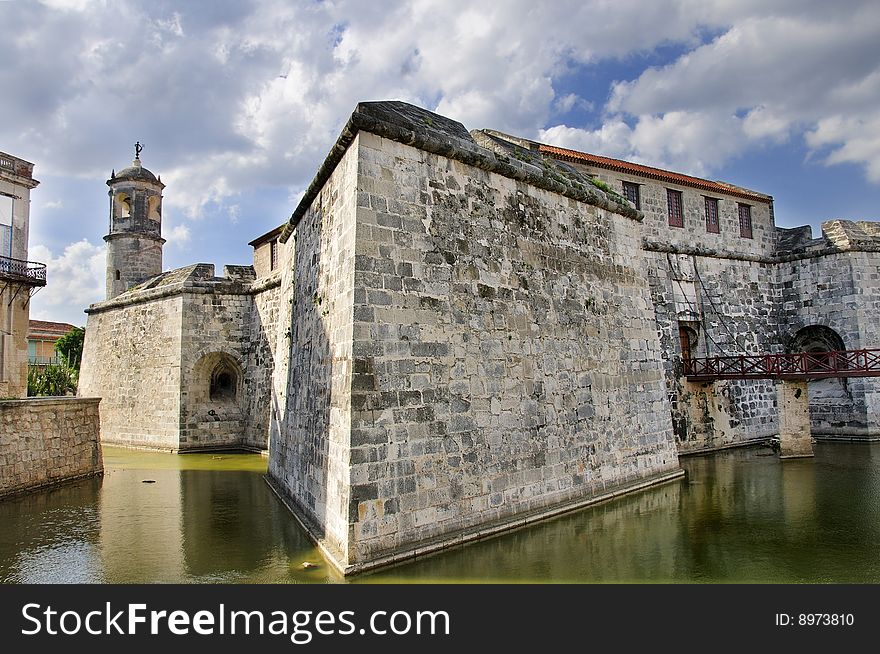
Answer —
(45, 441)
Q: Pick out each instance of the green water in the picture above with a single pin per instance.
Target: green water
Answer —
(740, 516)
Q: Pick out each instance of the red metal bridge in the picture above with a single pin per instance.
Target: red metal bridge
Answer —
(797, 366)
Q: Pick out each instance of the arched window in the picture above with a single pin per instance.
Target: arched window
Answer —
(124, 202)
(118, 275)
(154, 208)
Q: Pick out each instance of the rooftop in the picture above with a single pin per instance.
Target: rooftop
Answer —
(650, 172)
(48, 327)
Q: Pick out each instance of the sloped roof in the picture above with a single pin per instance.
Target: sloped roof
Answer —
(651, 172)
(49, 327)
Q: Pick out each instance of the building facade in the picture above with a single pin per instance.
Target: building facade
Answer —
(19, 278)
(458, 332)
(41, 338)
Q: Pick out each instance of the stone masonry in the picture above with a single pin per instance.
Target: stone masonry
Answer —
(47, 441)
(478, 350)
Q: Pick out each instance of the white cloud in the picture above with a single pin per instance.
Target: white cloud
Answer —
(177, 236)
(763, 79)
(230, 96)
(75, 279)
(53, 204)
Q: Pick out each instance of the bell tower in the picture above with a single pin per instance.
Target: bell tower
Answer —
(134, 241)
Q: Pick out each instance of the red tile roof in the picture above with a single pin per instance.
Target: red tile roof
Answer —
(652, 173)
(48, 327)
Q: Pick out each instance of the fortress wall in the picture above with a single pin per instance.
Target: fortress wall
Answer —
(132, 359)
(866, 277)
(506, 359)
(261, 361)
(311, 422)
(217, 321)
(840, 291)
(701, 290)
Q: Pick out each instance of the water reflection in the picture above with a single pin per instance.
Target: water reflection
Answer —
(740, 515)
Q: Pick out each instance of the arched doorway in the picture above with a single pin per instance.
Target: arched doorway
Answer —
(212, 408)
(831, 401)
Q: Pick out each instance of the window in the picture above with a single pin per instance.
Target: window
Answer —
(631, 193)
(6, 207)
(712, 215)
(676, 216)
(688, 339)
(273, 254)
(745, 220)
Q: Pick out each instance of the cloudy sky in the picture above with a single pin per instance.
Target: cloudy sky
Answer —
(238, 102)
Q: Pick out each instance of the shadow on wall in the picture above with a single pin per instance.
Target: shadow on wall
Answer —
(260, 398)
(301, 422)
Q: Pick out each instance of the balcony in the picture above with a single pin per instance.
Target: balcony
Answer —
(27, 272)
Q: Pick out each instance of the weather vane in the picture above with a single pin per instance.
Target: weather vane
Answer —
(138, 148)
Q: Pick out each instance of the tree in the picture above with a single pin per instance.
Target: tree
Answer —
(70, 346)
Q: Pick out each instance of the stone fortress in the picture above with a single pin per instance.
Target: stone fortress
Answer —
(457, 333)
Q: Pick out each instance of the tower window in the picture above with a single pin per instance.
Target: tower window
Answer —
(118, 276)
(124, 205)
(273, 254)
(676, 214)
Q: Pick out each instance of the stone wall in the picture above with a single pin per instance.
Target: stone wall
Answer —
(46, 441)
(727, 304)
(834, 283)
(135, 257)
(261, 360)
(505, 354)
(468, 351)
(132, 360)
(310, 452)
(215, 336)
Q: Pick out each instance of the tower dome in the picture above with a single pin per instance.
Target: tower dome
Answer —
(134, 240)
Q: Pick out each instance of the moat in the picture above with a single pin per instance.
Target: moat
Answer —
(739, 516)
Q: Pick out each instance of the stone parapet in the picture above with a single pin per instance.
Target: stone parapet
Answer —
(46, 441)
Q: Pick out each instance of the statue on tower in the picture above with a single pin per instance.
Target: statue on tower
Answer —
(138, 148)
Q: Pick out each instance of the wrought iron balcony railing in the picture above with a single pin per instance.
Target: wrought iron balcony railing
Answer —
(29, 272)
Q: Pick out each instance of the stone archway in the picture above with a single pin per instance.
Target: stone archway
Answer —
(212, 410)
(815, 338)
(831, 400)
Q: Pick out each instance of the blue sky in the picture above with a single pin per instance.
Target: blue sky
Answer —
(238, 102)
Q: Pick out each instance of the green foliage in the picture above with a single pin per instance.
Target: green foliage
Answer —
(53, 380)
(70, 347)
(614, 195)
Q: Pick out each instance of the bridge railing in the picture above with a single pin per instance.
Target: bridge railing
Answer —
(798, 365)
